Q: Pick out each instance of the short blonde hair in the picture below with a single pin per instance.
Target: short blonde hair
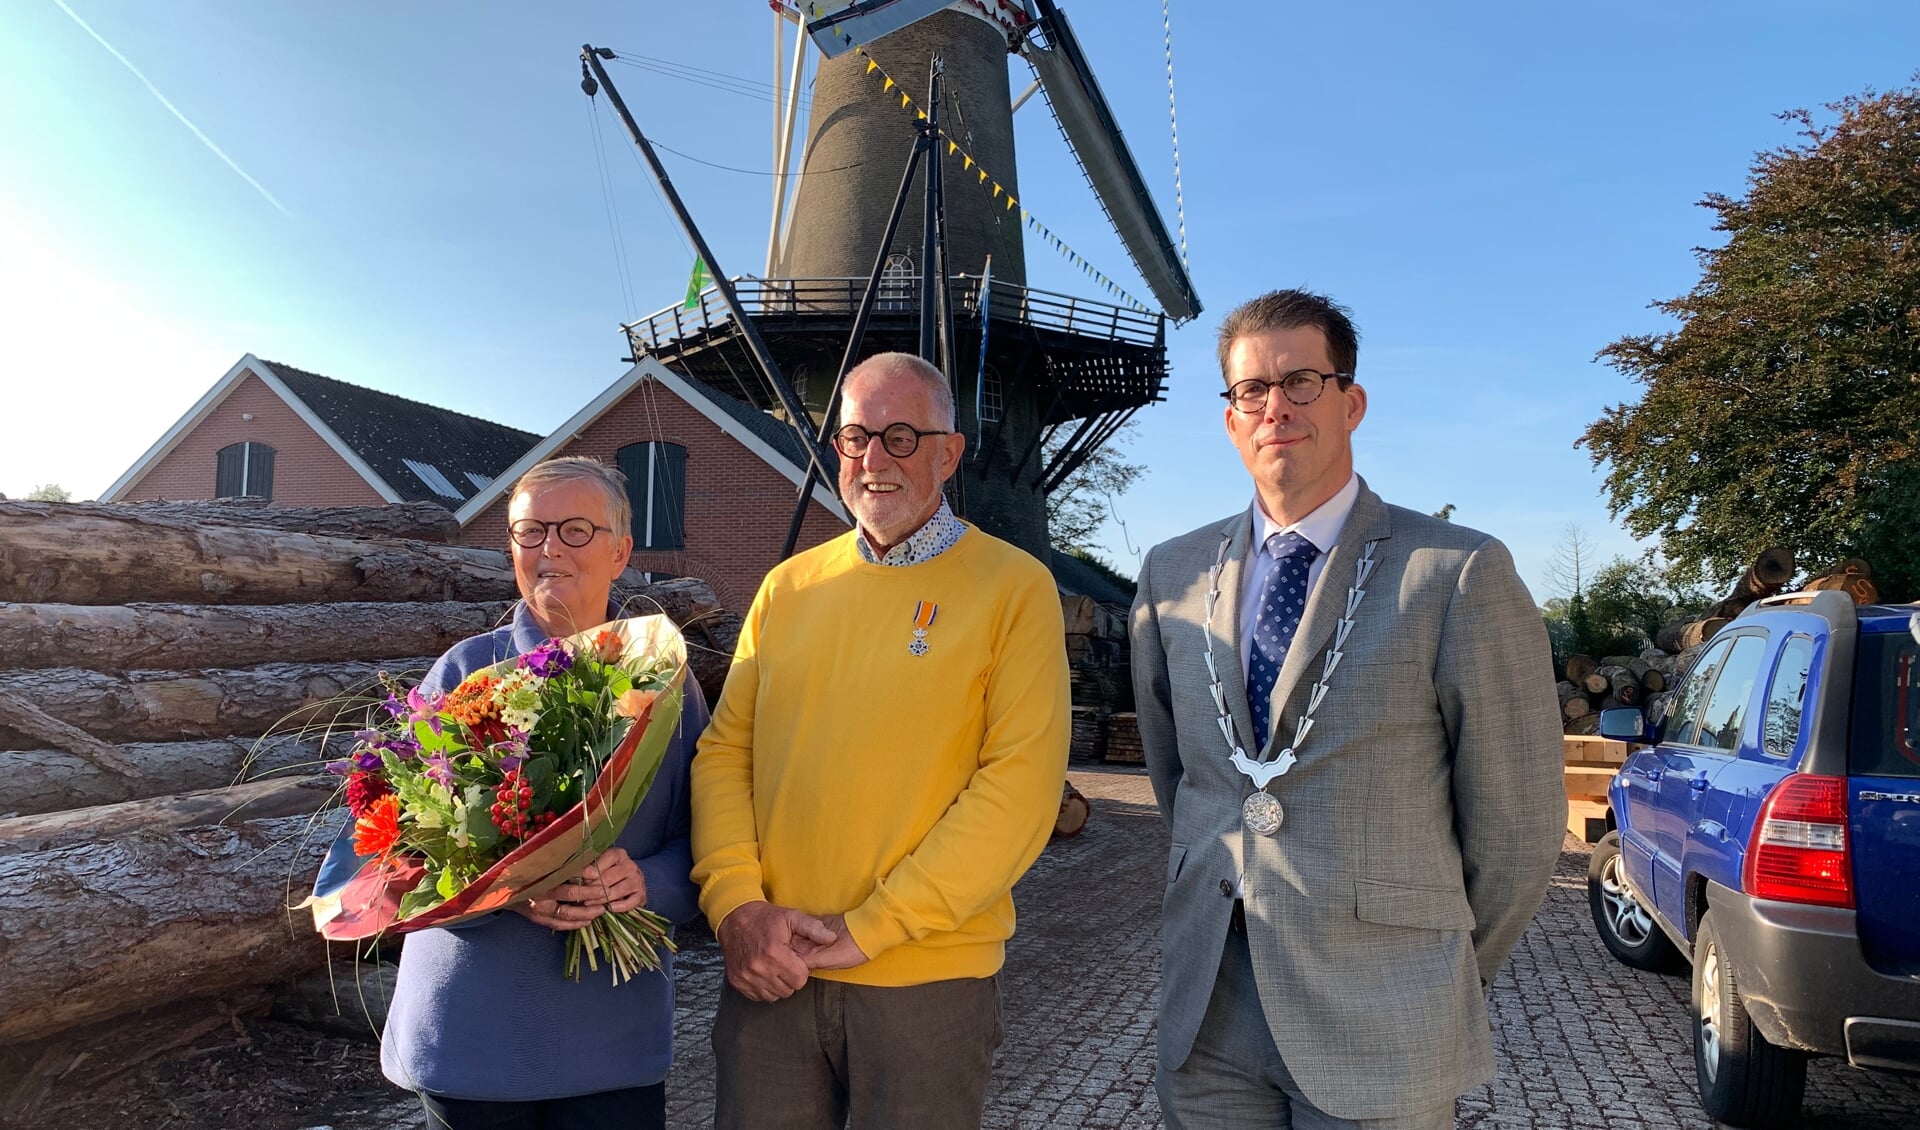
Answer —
(583, 469)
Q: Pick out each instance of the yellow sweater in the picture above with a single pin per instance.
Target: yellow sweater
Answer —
(844, 774)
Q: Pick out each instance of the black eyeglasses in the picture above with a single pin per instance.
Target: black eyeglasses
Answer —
(1301, 386)
(530, 533)
(900, 439)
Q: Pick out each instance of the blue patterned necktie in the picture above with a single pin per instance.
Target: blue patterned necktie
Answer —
(1282, 603)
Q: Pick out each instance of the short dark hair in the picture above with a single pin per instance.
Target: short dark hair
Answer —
(1291, 309)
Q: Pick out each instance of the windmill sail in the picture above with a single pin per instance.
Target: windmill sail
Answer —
(838, 31)
(1091, 130)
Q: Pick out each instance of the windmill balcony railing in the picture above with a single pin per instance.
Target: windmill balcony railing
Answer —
(778, 298)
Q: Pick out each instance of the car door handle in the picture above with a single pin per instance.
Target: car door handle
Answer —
(1647, 774)
(1698, 784)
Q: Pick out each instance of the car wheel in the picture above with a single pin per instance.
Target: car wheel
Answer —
(1744, 1080)
(1626, 927)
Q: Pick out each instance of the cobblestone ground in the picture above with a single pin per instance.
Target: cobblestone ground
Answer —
(1582, 1041)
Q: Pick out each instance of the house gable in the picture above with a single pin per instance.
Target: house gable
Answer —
(739, 492)
(313, 467)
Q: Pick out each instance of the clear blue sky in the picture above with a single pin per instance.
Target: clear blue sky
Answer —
(1497, 191)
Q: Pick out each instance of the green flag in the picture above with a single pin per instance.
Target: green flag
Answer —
(696, 283)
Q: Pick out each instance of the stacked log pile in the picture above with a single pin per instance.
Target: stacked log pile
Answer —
(152, 836)
(1588, 686)
(1099, 670)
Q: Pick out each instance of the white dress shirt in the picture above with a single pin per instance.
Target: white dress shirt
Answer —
(1322, 528)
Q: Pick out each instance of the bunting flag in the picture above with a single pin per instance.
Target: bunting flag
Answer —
(967, 163)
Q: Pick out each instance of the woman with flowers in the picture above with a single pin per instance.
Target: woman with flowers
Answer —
(484, 1023)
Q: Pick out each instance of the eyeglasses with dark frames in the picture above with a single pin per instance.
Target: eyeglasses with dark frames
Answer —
(531, 533)
(1301, 386)
(900, 439)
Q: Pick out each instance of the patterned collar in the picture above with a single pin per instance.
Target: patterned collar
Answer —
(928, 542)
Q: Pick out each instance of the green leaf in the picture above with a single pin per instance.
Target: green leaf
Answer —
(447, 885)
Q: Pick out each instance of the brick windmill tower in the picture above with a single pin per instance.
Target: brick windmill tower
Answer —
(1041, 379)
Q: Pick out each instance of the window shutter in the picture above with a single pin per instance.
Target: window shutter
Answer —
(632, 461)
(669, 497)
(229, 471)
(259, 471)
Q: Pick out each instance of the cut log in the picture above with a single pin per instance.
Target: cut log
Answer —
(1618, 661)
(50, 780)
(1654, 681)
(154, 706)
(1700, 631)
(27, 719)
(124, 637)
(107, 911)
(98, 555)
(1639, 667)
(414, 521)
(1579, 706)
(1596, 683)
(1579, 667)
(1768, 574)
(1853, 577)
(1074, 811)
(1629, 694)
(1667, 639)
(1619, 678)
(1585, 724)
(111, 1049)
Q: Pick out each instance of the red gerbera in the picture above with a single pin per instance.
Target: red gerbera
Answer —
(363, 789)
(378, 831)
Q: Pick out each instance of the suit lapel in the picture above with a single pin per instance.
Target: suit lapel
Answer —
(1226, 627)
(1325, 606)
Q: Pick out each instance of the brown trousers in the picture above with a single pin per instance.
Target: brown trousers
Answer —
(836, 1055)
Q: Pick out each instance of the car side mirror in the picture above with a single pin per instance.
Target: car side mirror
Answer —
(1624, 724)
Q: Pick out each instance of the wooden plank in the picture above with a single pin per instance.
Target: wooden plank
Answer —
(1591, 747)
(1587, 820)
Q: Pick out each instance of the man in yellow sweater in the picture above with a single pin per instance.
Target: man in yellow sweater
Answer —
(884, 763)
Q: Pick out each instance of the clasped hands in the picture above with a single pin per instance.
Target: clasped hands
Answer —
(613, 881)
(771, 950)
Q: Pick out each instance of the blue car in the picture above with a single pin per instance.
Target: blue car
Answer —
(1770, 835)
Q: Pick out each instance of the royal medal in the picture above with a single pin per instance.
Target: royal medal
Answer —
(923, 613)
(1262, 814)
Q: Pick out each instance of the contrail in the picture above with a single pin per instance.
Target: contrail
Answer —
(172, 109)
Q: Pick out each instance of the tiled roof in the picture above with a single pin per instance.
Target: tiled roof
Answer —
(423, 452)
(1077, 576)
(776, 433)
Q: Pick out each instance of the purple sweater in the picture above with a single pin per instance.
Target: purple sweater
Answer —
(481, 1011)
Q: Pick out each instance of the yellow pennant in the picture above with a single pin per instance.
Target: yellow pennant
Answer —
(872, 66)
(888, 85)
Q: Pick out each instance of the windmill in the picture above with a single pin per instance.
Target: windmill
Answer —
(1042, 379)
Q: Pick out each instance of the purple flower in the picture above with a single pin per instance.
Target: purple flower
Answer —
(440, 768)
(393, 705)
(341, 767)
(547, 660)
(510, 761)
(425, 708)
(367, 759)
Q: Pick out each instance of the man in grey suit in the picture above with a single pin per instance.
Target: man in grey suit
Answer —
(1350, 722)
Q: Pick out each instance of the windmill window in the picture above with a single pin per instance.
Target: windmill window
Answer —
(244, 470)
(897, 279)
(657, 488)
(435, 481)
(991, 403)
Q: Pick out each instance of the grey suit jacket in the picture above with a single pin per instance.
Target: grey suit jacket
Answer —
(1422, 818)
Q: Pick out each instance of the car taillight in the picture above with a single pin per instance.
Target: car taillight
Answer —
(1799, 847)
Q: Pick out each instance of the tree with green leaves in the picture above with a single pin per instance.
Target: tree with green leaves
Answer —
(1782, 410)
(1078, 507)
(49, 492)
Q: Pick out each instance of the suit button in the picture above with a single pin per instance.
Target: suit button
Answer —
(1226, 887)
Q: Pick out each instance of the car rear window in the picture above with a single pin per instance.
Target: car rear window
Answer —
(1886, 707)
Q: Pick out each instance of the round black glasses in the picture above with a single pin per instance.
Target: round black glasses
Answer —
(1301, 386)
(530, 533)
(900, 439)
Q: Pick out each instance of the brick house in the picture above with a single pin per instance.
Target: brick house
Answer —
(712, 480)
(268, 430)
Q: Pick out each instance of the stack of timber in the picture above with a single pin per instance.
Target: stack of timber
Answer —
(172, 678)
(1098, 668)
(1123, 738)
(1591, 763)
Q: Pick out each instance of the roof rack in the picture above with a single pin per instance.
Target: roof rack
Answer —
(1831, 605)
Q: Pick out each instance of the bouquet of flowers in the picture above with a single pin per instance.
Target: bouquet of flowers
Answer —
(508, 785)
